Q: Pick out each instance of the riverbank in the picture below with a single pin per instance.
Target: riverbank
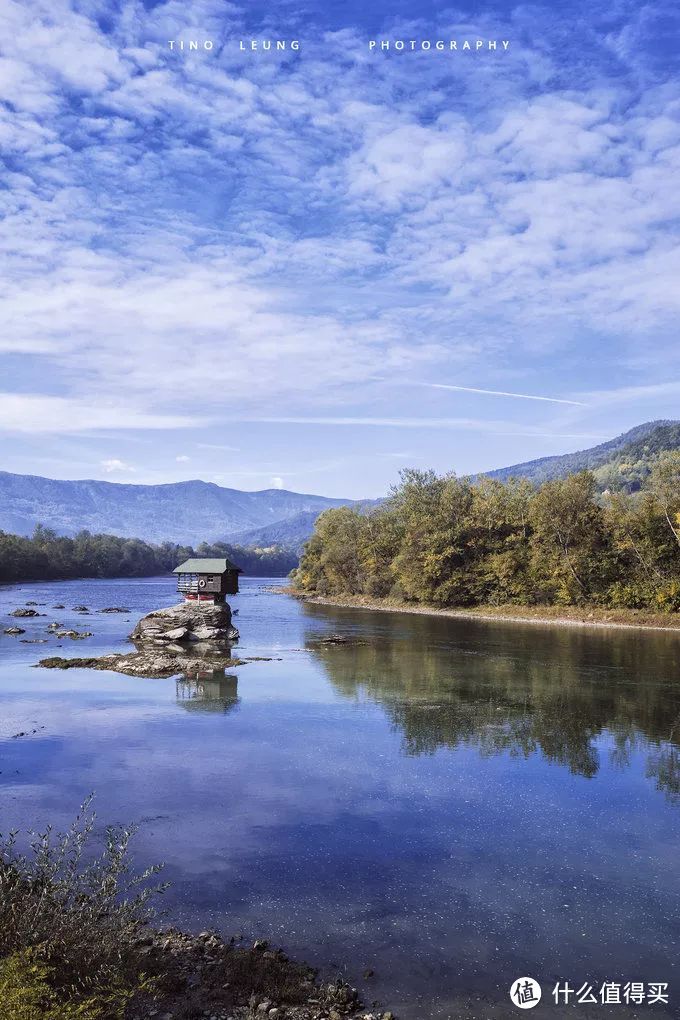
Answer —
(204, 976)
(561, 616)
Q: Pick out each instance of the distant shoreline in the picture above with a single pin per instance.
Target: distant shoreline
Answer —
(561, 616)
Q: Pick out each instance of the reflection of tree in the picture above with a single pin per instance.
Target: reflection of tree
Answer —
(208, 692)
(663, 765)
(518, 690)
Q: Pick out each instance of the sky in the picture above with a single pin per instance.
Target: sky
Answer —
(313, 266)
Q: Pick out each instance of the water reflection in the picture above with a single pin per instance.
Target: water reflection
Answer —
(208, 692)
(522, 692)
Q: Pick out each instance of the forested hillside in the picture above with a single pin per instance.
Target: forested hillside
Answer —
(622, 463)
(48, 556)
(447, 541)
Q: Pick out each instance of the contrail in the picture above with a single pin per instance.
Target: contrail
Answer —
(503, 393)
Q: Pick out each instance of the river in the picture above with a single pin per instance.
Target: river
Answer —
(449, 803)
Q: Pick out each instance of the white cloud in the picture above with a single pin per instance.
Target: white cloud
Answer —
(277, 482)
(113, 464)
(36, 413)
(184, 233)
(182, 458)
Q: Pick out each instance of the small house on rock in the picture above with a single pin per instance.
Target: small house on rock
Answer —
(207, 580)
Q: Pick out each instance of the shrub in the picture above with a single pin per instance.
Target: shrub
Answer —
(69, 920)
(26, 994)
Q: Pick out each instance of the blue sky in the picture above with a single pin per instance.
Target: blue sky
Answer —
(312, 268)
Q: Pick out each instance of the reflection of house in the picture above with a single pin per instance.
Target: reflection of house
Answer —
(209, 692)
(207, 580)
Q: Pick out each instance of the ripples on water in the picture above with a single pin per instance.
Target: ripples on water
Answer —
(449, 803)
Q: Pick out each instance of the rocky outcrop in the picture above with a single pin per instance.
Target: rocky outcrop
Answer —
(186, 624)
(152, 664)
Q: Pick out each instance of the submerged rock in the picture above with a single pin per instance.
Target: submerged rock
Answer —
(186, 624)
(26, 612)
(14, 630)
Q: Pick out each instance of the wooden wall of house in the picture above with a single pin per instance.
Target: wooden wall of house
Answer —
(215, 584)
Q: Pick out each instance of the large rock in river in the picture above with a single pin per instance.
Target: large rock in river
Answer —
(185, 624)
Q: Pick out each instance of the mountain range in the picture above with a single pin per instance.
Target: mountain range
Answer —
(195, 511)
(186, 512)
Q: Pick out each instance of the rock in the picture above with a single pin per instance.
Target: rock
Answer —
(114, 609)
(31, 603)
(26, 612)
(336, 639)
(150, 663)
(74, 634)
(59, 606)
(54, 626)
(14, 630)
(186, 623)
(80, 609)
(206, 634)
(173, 635)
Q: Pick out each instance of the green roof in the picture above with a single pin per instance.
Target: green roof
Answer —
(206, 566)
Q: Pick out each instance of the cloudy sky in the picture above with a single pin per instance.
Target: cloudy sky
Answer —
(314, 267)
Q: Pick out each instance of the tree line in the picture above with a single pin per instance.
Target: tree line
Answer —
(48, 556)
(449, 541)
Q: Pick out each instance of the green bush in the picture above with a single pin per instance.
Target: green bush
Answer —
(69, 920)
(27, 994)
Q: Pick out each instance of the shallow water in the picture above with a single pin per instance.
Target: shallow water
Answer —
(452, 804)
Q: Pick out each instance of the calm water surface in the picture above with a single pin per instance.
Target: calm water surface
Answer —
(450, 803)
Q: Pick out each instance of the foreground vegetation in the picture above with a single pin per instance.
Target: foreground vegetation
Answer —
(47, 556)
(76, 943)
(446, 541)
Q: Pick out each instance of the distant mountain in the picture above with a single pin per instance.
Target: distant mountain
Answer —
(194, 512)
(621, 463)
(293, 532)
(186, 512)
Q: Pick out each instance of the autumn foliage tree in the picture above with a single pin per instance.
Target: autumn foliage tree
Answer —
(448, 541)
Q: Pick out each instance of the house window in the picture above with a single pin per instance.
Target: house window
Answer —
(211, 578)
